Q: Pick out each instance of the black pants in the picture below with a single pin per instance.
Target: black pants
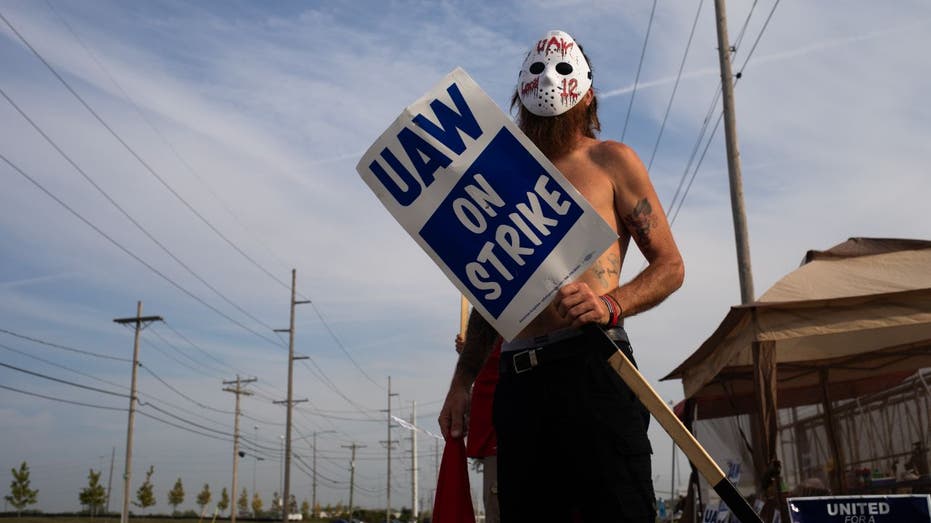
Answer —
(572, 443)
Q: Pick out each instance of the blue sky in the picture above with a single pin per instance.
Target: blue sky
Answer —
(255, 114)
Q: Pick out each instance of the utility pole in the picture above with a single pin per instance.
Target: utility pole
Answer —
(352, 473)
(414, 470)
(238, 391)
(313, 497)
(314, 507)
(286, 496)
(106, 509)
(389, 444)
(255, 459)
(141, 322)
(733, 157)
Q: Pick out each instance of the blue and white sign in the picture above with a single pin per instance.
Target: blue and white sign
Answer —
(495, 215)
(894, 508)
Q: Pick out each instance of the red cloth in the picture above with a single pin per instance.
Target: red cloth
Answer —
(453, 502)
(482, 440)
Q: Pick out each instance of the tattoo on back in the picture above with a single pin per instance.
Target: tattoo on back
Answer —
(640, 221)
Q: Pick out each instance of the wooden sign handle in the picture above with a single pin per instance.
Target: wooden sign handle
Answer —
(676, 430)
(463, 315)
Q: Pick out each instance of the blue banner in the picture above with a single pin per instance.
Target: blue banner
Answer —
(861, 509)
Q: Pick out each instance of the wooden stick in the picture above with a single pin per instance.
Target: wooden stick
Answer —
(463, 315)
(676, 430)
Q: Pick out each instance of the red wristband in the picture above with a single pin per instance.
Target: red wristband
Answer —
(615, 312)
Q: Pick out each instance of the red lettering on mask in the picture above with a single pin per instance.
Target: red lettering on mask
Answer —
(569, 93)
(555, 45)
(529, 87)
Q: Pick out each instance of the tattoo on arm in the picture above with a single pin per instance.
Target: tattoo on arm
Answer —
(640, 221)
(480, 338)
(608, 270)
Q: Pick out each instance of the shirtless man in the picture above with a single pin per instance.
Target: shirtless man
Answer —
(572, 442)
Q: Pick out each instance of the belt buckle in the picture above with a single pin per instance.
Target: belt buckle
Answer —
(531, 361)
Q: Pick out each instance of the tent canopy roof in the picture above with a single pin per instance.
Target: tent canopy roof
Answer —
(861, 308)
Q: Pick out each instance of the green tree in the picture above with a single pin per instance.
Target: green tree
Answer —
(93, 496)
(203, 499)
(224, 502)
(21, 496)
(176, 496)
(276, 504)
(243, 502)
(145, 495)
(256, 504)
(305, 509)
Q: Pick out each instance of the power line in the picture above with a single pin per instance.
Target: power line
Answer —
(698, 165)
(52, 398)
(643, 53)
(52, 363)
(66, 382)
(675, 87)
(182, 200)
(179, 393)
(128, 252)
(265, 422)
(743, 28)
(720, 116)
(63, 347)
(155, 129)
(126, 213)
(186, 429)
(174, 358)
(340, 343)
(198, 347)
(701, 136)
(758, 37)
(268, 395)
(134, 153)
(179, 418)
(332, 386)
(58, 365)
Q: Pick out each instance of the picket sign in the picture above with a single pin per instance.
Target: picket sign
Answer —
(500, 221)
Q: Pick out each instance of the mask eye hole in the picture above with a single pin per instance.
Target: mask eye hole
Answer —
(564, 68)
(537, 67)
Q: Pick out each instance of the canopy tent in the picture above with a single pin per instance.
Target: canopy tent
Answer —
(852, 320)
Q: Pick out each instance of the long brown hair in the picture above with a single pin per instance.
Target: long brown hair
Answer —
(556, 135)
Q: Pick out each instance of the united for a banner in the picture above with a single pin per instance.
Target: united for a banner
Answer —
(493, 213)
(888, 508)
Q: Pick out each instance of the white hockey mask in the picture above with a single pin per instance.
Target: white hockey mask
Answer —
(555, 75)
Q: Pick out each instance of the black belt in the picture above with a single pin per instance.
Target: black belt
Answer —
(541, 352)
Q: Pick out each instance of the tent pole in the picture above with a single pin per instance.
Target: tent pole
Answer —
(765, 427)
(800, 439)
(839, 485)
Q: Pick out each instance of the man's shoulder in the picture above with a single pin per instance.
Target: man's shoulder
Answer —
(616, 158)
(612, 152)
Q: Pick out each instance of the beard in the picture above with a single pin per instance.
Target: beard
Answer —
(556, 136)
